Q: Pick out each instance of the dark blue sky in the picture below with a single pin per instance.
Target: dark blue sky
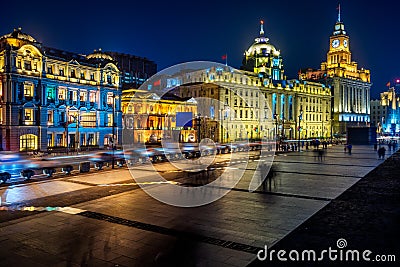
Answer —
(171, 32)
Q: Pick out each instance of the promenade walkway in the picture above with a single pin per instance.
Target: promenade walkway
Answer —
(133, 229)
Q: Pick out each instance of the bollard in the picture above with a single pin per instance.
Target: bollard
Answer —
(28, 173)
(67, 169)
(84, 166)
(4, 176)
(49, 171)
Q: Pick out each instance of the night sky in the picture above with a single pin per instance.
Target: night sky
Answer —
(171, 32)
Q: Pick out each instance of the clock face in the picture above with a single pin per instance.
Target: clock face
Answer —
(335, 43)
(345, 43)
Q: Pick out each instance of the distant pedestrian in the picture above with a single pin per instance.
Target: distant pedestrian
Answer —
(345, 148)
(375, 146)
(381, 152)
(349, 147)
(320, 154)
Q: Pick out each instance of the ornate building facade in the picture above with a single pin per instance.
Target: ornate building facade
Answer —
(385, 113)
(150, 118)
(257, 101)
(52, 99)
(350, 85)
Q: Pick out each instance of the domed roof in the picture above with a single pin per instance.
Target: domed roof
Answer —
(17, 33)
(261, 46)
(99, 55)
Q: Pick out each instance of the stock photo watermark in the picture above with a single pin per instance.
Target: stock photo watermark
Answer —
(338, 253)
(218, 123)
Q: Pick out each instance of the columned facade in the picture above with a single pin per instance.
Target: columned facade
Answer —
(56, 100)
(350, 85)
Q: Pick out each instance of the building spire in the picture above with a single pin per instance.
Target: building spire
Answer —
(338, 17)
(261, 27)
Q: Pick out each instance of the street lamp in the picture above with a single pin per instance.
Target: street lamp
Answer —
(300, 118)
(113, 130)
(276, 117)
(77, 141)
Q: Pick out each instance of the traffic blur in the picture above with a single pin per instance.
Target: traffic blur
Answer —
(12, 164)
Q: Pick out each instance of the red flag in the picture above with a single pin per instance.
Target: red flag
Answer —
(388, 84)
(224, 57)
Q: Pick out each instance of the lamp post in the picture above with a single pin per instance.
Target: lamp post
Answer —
(227, 111)
(66, 130)
(300, 118)
(276, 117)
(113, 131)
(322, 129)
(77, 141)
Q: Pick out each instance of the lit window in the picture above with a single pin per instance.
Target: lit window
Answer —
(50, 93)
(88, 119)
(50, 69)
(50, 140)
(61, 94)
(109, 119)
(28, 142)
(28, 116)
(74, 96)
(109, 99)
(92, 97)
(50, 116)
(28, 90)
(73, 74)
(82, 96)
(61, 71)
(82, 75)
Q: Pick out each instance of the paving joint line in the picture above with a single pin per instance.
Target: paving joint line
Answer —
(171, 232)
(265, 192)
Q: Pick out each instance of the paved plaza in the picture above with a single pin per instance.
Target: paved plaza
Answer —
(133, 229)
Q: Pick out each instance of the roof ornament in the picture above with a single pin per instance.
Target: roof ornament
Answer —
(261, 27)
(338, 17)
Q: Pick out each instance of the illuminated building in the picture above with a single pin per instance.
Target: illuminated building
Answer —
(51, 99)
(234, 109)
(350, 85)
(134, 70)
(385, 113)
(151, 118)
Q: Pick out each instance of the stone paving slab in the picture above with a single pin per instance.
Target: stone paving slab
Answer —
(240, 218)
(364, 217)
(19, 193)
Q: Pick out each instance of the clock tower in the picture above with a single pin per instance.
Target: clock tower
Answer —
(339, 47)
(349, 84)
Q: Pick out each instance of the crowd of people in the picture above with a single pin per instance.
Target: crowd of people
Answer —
(306, 144)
